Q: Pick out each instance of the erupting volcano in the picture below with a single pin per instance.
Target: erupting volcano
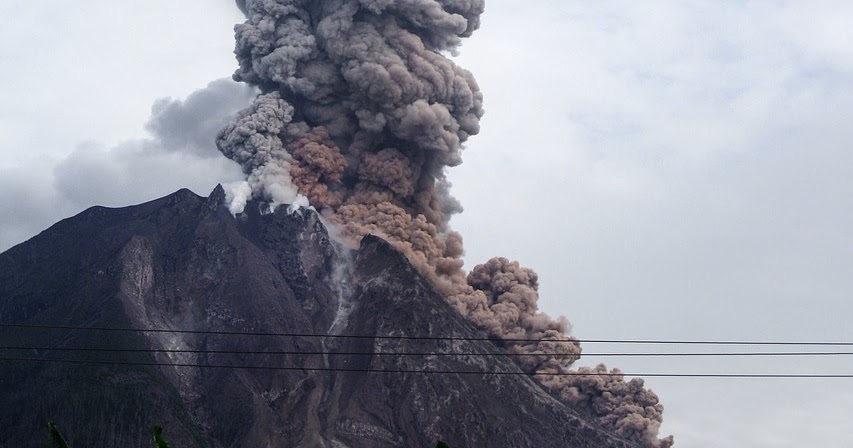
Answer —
(360, 112)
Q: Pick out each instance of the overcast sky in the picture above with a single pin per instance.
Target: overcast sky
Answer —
(672, 169)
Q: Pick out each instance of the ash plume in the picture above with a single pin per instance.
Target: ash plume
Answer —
(359, 115)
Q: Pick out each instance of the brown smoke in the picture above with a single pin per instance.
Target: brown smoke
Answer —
(361, 113)
(631, 410)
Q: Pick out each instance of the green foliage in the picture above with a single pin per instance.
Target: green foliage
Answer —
(158, 437)
(54, 438)
(442, 445)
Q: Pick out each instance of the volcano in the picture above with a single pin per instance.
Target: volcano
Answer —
(254, 330)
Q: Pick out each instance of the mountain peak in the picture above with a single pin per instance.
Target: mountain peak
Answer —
(417, 372)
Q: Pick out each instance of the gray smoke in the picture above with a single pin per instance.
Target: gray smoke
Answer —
(178, 152)
(191, 125)
(359, 114)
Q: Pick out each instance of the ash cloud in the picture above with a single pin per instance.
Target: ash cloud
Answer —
(181, 145)
(191, 125)
(360, 113)
(180, 152)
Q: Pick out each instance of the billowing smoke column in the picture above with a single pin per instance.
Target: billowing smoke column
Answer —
(359, 115)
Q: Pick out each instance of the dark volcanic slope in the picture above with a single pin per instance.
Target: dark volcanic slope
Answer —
(183, 262)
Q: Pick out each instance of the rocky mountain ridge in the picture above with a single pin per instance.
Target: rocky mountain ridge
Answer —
(184, 262)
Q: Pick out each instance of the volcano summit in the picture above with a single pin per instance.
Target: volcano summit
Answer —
(240, 335)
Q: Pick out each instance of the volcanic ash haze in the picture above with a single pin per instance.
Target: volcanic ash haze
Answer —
(359, 114)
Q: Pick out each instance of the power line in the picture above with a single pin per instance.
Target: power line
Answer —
(441, 372)
(272, 334)
(344, 353)
(435, 338)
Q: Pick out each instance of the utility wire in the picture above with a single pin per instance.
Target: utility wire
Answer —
(440, 372)
(345, 353)
(434, 338)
